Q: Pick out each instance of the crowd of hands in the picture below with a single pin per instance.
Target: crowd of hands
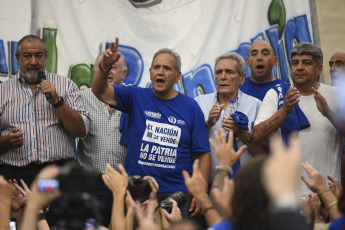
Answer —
(280, 177)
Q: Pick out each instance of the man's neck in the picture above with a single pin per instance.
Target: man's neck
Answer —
(262, 80)
(306, 89)
(166, 96)
(33, 86)
(224, 98)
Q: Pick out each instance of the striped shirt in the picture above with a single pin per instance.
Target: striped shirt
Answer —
(45, 138)
(101, 145)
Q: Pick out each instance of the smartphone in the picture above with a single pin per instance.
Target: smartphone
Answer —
(48, 185)
(13, 224)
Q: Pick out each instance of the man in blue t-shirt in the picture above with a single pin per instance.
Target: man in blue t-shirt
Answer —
(167, 128)
(261, 60)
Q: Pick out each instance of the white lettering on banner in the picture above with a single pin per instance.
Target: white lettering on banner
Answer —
(162, 134)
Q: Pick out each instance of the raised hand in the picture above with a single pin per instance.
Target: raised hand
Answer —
(115, 181)
(321, 103)
(334, 186)
(145, 219)
(225, 152)
(316, 183)
(291, 99)
(21, 195)
(196, 186)
(111, 55)
(214, 115)
(284, 162)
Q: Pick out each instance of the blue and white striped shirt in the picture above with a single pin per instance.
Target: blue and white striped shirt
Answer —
(45, 138)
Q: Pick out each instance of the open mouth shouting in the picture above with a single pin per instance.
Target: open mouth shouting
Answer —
(260, 68)
(160, 81)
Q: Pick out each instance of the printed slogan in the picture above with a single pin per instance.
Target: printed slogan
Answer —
(162, 147)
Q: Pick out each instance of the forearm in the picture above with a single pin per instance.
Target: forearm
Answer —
(205, 166)
(218, 181)
(337, 121)
(5, 207)
(265, 129)
(118, 213)
(211, 215)
(42, 225)
(4, 144)
(102, 90)
(208, 125)
(71, 120)
(130, 218)
(253, 147)
(157, 214)
(30, 216)
(330, 202)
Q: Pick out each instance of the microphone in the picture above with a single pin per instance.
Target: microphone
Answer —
(41, 77)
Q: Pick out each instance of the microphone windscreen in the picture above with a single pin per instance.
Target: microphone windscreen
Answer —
(41, 76)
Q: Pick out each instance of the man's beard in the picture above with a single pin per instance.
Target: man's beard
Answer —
(30, 76)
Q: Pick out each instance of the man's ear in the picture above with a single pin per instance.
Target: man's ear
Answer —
(17, 57)
(178, 76)
(124, 74)
(243, 79)
(275, 60)
(319, 71)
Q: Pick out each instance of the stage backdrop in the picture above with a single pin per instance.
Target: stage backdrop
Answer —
(76, 31)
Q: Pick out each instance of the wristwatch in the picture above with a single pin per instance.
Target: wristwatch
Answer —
(60, 102)
(103, 70)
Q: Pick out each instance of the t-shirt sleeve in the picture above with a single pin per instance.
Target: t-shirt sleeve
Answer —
(268, 107)
(124, 97)
(199, 133)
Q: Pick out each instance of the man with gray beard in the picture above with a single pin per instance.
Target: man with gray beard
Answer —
(35, 132)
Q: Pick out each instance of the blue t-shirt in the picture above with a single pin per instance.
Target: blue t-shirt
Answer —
(223, 225)
(337, 224)
(258, 90)
(164, 135)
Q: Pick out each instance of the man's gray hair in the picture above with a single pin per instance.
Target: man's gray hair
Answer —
(30, 37)
(241, 65)
(122, 58)
(175, 55)
(307, 48)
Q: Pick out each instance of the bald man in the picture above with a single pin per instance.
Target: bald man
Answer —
(261, 59)
(337, 71)
(337, 67)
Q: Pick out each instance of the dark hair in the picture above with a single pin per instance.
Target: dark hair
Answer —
(250, 201)
(30, 37)
(307, 48)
